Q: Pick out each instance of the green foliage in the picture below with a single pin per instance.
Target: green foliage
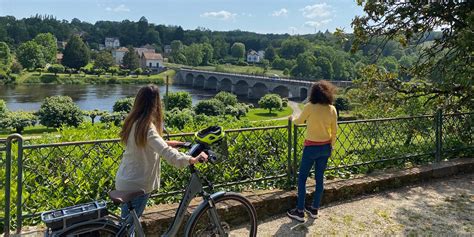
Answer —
(179, 100)
(238, 50)
(294, 46)
(270, 53)
(194, 54)
(131, 60)
(16, 67)
(237, 110)
(270, 102)
(76, 54)
(56, 68)
(104, 60)
(49, 46)
(59, 110)
(178, 118)
(282, 64)
(124, 105)
(305, 66)
(30, 55)
(208, 53)
(6, 58)
(212, 107)
(3, 108)
(326, 68)
(92, 114)
(342, 104)
(18, 120)
(113, 70)
(284, 102)
(114, 118)
(226, 98)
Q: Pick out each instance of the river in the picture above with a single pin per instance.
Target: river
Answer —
(87, 97)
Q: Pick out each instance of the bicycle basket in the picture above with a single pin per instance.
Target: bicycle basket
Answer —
(63, 218)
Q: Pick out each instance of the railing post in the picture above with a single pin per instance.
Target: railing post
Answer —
(295, 163)
(19, 196)
(8, 171)
(439, 134)
(290, 148)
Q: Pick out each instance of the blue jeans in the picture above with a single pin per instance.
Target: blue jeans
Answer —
(317, 156)
(138, 203)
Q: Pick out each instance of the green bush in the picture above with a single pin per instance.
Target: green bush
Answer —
(212, 107)
(18, 120)
(59, 110)
(179, 100)
(226, 98)
(3, 108)
(124, 105)
(284, 103)
(270, 102)
(115, 118)
(56, 68)
(178, 118)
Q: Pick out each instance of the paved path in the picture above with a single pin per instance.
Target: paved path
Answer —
(296, 111)
(439, 208)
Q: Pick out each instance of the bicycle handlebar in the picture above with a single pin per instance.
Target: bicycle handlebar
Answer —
(197, 148)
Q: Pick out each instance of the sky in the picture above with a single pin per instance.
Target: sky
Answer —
(262, 16)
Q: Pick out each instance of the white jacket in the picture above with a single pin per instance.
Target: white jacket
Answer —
(140, 167)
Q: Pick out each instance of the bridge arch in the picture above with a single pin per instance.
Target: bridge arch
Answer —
(188, 80)
(283, 91)
(210, 83)
(303, 93)
(241, 88)
(258, 90)
(225, 85)
(199, 81)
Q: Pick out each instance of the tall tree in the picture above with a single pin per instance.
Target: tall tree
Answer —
(130, 59)
(193, 54)
(238, 50)
(305, 66)
(5, 58)
(326, 68)
(30, 55)
(208, 53)
(179, 33)
(76, 53)
(49, 46)
(104, 60)
(270, 53)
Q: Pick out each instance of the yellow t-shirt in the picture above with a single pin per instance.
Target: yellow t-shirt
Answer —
(321, 122)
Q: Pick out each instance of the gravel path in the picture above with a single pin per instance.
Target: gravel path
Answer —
(438, 208)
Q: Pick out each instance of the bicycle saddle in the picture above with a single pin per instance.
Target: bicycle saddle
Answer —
(119, 197)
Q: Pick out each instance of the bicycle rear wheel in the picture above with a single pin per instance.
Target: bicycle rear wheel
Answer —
(93, 230)
(236, 214)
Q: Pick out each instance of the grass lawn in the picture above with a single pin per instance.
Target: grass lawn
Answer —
(29, 131)
(259, 114)
(232, 69)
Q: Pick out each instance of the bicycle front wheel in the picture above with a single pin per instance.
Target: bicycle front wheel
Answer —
(236, 215)
(93, 230)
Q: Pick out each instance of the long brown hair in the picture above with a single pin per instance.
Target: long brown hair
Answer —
(322, 92)
(146, 110)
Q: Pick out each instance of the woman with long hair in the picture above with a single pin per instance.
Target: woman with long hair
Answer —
(141, 134)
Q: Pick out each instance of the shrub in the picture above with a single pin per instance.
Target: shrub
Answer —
(238, 110)
(178, 118)
(124, 105)
(270, 102)
(16, 67)
(342, 104)
(116, 117)
(212, 107)
(226, 98)
(56, 68)
(3, 108)
(92, 114)
(241, 63)
(179, 100)
(58, 110)
(18, 120)
(284, 102)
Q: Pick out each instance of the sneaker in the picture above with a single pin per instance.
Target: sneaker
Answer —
(313, 212)
(296, 214)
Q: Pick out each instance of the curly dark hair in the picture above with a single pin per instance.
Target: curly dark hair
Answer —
(322, 92)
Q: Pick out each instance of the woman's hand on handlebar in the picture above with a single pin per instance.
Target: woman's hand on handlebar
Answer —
(202, 157)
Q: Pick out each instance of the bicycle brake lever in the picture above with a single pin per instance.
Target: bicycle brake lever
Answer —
(212, 157)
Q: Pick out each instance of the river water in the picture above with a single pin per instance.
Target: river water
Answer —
(87, 97)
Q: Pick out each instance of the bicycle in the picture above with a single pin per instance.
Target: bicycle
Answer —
(206, 220)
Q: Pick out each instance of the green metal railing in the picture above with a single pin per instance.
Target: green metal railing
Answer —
(39, 177)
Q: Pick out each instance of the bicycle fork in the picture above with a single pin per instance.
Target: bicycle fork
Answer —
(215, 217)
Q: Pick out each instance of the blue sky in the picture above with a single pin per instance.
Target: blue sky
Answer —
(263, 16)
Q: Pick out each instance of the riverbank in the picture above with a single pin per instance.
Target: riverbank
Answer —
(67, 79)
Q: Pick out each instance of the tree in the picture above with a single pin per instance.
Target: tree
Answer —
(326, 68)
(221, 48)
(389, 63)
(193, 54)
(92, 114)
(226, 98)
(130, 59)
(179, 33)
(6, 58)
(113, 70)
(123, 105)
(178, 118)
(294, 46)
(104, 60)
(30, 55)
(18, 120)
(238, 50)
(76, 54)
(56, 68)
(59, 110)
(238, 110)
(305, 66)
(270, 53)
(179, 100)
(208, 53)
(210, 107)
(116, 117)
(3, 108)
(49, 46)
(270, 102)
(444, 66)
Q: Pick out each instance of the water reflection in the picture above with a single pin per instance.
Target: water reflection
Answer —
(88, 97)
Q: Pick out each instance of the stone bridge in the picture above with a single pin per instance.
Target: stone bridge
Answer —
(251, 86)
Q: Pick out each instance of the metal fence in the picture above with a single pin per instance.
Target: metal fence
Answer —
(39, 177)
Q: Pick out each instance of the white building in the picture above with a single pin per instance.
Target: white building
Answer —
(112, 43)
(253, 57)
(118, 54)
(142, 50)
(151, 60)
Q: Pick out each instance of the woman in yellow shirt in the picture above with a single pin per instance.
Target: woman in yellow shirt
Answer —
(321, 122)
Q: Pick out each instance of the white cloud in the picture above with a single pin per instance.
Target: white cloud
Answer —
(281, 12)
(293, 30)
(315, 24)
(220, 15)
(246, 14)
(119, 8)
(316, 11)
